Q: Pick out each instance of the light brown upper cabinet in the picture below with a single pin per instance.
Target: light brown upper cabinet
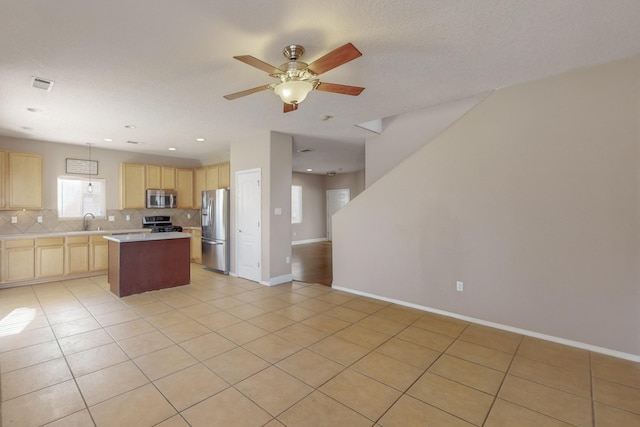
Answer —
(132, 180)
(224, 177)
(153, 177)
(21, 180)
(184, 186)
(168, 178)
(3, 178)
(199, 185)
(212, 177)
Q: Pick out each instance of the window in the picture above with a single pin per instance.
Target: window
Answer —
(75, 200)
(296, 204)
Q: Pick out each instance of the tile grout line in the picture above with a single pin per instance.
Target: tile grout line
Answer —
(506, 373)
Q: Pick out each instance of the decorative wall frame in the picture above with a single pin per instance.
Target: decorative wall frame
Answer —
(82, 167)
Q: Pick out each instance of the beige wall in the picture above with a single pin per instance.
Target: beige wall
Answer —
(54, 164)
(313, 225)
(416, 128)
(281, 164)
(532, 200)
(271, 153)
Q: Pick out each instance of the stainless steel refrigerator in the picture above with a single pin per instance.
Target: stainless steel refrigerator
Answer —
(215, 230)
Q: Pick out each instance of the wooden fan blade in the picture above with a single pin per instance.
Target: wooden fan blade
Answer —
(335, 58)
(261, 65)
(246, 92)
(290, 107)
(343, 89)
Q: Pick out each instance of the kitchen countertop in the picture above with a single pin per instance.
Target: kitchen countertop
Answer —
(140, 237)
(71, 233)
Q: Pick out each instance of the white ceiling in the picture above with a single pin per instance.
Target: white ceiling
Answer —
(165, 65)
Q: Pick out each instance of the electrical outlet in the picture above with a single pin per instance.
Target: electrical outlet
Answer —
(287, 260)
(188, 216)
(112, 218)
(40, 219)
(128, 217)
(459, 286)
(14, 220)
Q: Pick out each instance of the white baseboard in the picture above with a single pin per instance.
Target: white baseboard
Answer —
(278, 280)
(302, 242)
(571, 343)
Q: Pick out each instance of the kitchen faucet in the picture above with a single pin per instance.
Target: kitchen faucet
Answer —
(85, 223)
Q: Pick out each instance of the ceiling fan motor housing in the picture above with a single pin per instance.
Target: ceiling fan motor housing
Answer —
(293, 52)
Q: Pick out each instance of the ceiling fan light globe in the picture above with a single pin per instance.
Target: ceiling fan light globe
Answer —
(293, 91)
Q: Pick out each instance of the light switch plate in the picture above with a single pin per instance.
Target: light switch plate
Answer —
(112, 218)
(278, 211)
(14, 220)
(128, 217)
(40, 219)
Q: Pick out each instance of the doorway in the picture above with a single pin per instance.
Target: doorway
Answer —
(248, 231)
(311, 263)
(336, 200)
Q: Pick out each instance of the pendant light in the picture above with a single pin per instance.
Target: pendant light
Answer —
(90, 187)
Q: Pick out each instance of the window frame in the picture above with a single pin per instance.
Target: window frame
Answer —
(99, 183)
(296, 219)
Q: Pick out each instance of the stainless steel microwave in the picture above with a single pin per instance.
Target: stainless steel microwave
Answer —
(161, 199)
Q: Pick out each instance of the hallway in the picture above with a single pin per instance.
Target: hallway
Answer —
(311, 263)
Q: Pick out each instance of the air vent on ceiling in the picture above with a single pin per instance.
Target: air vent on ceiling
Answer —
(133, 142)
(304, 150)
(40, 83)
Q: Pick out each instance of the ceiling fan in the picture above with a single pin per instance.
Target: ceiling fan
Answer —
(297, 78)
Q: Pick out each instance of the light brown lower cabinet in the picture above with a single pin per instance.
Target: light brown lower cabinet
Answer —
(99, 253)
(196, 245)
(49, 257)
(44, 258)
(77, 254)
(19, 260)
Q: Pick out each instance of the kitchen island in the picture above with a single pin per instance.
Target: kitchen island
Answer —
(145, 262)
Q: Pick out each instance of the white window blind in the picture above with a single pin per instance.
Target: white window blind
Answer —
(75, 200)
(296, 204)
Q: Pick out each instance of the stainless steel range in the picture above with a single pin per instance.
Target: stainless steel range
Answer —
(159, 224)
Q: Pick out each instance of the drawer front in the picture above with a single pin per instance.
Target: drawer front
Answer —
(21, 243)
(98, 238)
(77, 239)
(50, 241)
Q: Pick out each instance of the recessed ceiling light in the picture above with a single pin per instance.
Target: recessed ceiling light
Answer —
(172, 148)
(108, 140)
(200, 139)
(309, 170)
(130, 126)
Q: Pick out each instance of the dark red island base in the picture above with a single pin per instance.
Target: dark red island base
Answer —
(148, 262)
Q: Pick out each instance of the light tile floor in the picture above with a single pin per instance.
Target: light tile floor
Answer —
(223, 351)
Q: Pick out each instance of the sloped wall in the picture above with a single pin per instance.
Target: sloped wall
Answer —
(532, 200)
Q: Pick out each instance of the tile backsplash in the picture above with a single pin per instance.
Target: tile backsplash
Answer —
(28, 220)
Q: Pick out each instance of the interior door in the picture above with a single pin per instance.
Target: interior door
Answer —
(336, 200)
(248, 216)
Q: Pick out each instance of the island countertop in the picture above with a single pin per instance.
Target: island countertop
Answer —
(145, 237)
